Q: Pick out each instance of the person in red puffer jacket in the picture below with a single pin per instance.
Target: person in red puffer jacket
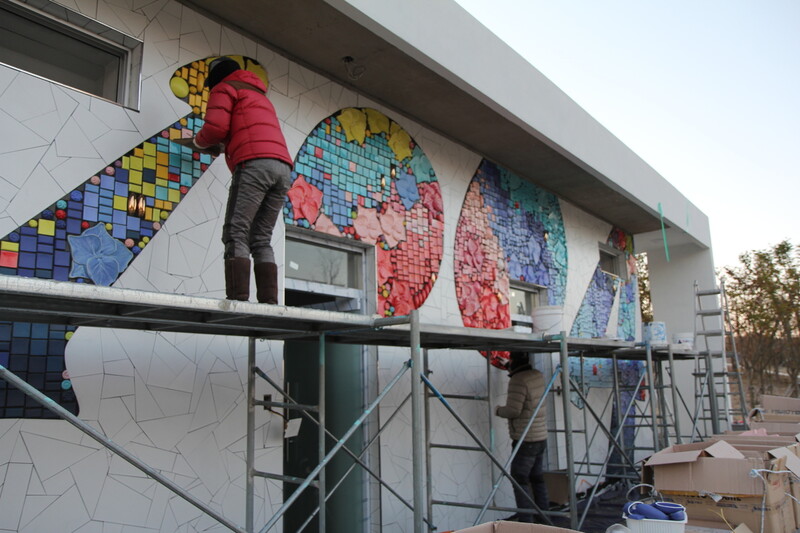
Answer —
(240, 118)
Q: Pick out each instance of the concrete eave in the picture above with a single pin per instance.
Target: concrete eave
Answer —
(432, 61)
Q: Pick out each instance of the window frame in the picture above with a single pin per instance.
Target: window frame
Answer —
(346, 299)
(53, 17)
(538, 298)
(616, 258)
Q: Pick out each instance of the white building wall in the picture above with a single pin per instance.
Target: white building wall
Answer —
(178, 401)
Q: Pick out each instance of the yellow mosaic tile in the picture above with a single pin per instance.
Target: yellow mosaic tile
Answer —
(9, 246)
(120, 203)
(136, 163)
(148, 189)
(47, 227)
(149, 162)
(149, 149)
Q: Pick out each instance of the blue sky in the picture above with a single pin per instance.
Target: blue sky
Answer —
(705, 91)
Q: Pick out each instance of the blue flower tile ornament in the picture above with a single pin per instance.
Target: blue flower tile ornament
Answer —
(98, 256)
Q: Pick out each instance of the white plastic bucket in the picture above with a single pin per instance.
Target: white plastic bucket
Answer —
(548, 319)
(654, 332)
(686, 340)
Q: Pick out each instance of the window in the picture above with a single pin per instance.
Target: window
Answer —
(522, 298)
(326, 273)
(612, 261)
(53, 42)
(323, 264)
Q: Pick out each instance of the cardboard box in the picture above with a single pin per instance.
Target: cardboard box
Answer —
(776, 446)
(513, 527)
(713, 481)
(780, 404)
(774, 422)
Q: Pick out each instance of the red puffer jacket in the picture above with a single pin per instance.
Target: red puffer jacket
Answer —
(244, 121)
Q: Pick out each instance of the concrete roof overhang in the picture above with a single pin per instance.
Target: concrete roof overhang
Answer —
(433, 62)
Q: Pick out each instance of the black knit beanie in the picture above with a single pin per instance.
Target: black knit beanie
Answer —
(219, 69)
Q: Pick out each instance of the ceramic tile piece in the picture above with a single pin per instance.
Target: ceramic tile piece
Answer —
(90, 475)
(116, 386)
(183, 511)
(59, 483)
(166, 432)
(138, 482)
(67, 511)
(37, 100)
(52, 456)
(18, 137)
(121, 504)
(171, 402)
(34, 506)
(72, 142)
(90, 527)
(146, 406)
(112, 528)
(12, 499)
(202, 455)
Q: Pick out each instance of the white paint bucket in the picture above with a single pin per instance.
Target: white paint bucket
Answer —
(686, 340)
(654, 332)
(548, 319)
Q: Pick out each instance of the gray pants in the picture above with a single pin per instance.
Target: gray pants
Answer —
(255, 200)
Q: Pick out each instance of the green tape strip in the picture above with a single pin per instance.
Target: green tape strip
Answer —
(663, 230)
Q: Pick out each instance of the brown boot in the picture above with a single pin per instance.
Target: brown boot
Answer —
(237, 278)
(266, 282)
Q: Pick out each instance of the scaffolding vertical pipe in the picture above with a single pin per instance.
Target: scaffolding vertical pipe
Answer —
(565, 400)
(648, 351)
(428, 472)
(251, 435)
(490, 409)
(662, 403)
(586, 444)
(417, 425)
(321, 416)
(712, 393)
(673, 388)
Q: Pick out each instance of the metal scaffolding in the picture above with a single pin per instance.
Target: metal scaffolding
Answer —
(45, 301)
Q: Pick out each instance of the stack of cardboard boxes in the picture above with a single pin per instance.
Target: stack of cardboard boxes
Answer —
(750, 478)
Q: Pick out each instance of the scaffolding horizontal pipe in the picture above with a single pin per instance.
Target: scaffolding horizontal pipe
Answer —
(279, 477)
(465, 397)
(59, 302)
(285, 405)
(456, 447)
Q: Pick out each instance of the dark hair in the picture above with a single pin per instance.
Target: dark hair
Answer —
(219, 69)
(518, 359)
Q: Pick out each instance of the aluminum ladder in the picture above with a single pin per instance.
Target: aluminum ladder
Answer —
(719, 390)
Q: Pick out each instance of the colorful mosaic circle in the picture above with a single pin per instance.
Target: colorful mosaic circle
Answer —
(360, 175)
(508, 229)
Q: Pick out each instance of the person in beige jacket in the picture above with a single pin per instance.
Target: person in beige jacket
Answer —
(525, 388)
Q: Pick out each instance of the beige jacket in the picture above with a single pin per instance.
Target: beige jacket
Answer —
(525, 388)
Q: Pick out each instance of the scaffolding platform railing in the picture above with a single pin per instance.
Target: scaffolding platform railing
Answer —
(46, 301)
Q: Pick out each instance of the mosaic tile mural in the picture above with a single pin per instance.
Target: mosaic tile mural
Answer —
(508, 229)
(594, 315)
(92, 235)
(360, 175)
